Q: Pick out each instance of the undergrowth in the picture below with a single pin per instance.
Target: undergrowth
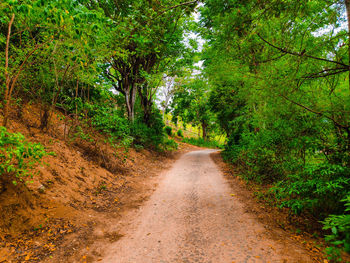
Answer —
(18, 157)
(202, 143)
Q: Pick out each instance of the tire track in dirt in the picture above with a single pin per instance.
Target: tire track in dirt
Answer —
(193, 216)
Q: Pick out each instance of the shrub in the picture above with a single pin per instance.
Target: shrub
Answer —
(170, 145)
(150, 135)
(138, 147)
(340, 232)
(109, 121)
(168, 130)
(180, 133)
(17, 156)
(318, 189)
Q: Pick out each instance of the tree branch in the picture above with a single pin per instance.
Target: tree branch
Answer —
(315, 112)
(325, 73)
(302, 54)
(176, 6)
(19, 70)
(7, 54)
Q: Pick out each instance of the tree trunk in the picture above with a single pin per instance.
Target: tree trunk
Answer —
(7, 98)
(11, 81)
(132, 103)
(76, 97)
(146, 104)
(44, 117)
(347, 5)
(147, 111)
(204, 130)
(130, 98)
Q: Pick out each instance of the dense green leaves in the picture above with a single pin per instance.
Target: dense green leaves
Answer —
(279, 72)
(68, 55)
(191, 103)
(18, 157)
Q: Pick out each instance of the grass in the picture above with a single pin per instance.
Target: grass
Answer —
(202, 143)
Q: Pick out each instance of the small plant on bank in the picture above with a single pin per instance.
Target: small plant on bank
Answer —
(340, 232)
(170, 145)
(18, 156)
(180, 133)
(168, 130)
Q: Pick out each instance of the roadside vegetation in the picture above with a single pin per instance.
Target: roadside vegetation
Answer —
(279, 77)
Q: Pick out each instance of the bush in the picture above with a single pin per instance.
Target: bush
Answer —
(170, 145)
(17, 156)
(150, 135)
(180, 133)
(168, 130)
(262, 156)
(109, 121)
(318, 189)
(340, 232)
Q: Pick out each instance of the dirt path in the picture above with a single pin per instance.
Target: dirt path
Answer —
(193, 216)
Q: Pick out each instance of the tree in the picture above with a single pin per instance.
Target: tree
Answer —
(166, 94)
(279, 73)
(38, 37)
(191, 103)
(151, 33)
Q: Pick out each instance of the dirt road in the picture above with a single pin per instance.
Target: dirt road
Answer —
(193, 216)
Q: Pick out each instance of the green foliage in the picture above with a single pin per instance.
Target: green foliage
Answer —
(202, 143)
(110, 121)
(18, 156)
(191, 103)
(279, 94)
(170, 145)
(149, 135)
(318, 188)
(75, 52)
(340, 231)
(180, 133)
(168, 130)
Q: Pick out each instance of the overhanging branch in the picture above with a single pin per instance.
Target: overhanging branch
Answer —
(315, 112)
(176, 6)
(302, 54)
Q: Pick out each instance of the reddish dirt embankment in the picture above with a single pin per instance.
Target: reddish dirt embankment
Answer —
(84, 187)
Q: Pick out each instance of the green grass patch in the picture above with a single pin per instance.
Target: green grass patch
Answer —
(203, 143)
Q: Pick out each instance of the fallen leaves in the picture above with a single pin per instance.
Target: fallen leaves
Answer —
(28, 256)
(27, 249)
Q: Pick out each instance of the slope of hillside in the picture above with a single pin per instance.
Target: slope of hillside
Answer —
(84, 186)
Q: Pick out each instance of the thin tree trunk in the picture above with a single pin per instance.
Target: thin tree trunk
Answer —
(132, 103)
(76, 97)
(130, 98)
(12, 80)
(204, 130)
(347, 5)
(7, 76)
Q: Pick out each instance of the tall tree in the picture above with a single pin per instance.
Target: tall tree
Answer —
(147, 34)
(191, 103)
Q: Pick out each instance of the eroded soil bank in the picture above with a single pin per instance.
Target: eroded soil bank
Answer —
(76, 193)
